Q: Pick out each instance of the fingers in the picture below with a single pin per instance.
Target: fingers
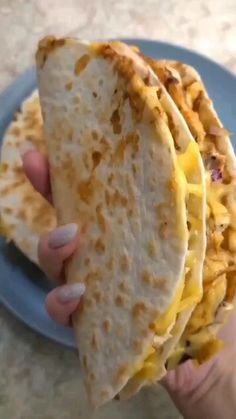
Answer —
(63, 301)
(36, 168)
(55, 248)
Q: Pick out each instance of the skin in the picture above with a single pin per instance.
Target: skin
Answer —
(207, 391)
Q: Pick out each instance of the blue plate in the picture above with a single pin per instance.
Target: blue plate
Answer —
(23, 287)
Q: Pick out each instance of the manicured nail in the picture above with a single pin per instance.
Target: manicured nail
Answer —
(62, 235)
(25, 148)
(72, 292)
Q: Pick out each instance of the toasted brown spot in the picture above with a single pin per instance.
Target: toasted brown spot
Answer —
(92, 376)
(22, 215)
(152, 326)
(137, 345)
(125, 263)
(152, 248)
(110, 264)
(95, 342)
(81, 64)
(137, 105)
(94, 135)
(123, 286)
(46, 46)
(133, 139)
(99, 247)
(119, 199)
(6, 229)
(163, 230)
(85, 362)
(101, 219)
(120, 300)
(86, 161)
(95, 94)
(147, 277)
(130, 213)
(115, 120)
(111, 178)
(139, 309)
(16, 131)
(89, 303)
(121, 373)
(76, 100)
(87, 262)
(107, 325)
(134, 169)
(8, 189)
(8, 211)
(87, 188)
(18, 170)
(120, 151)
(160, 283)
(69, 85)
(105, 394)
(96, 156)
(3, 167)
(159, 93)
(98, 296)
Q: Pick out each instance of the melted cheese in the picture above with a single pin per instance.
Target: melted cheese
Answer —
(188, 293)
(195, 189)
(166, 319)
(188, 161)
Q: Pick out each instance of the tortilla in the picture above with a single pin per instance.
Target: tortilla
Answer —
(25, 214)
(107, 147)
(219, 277)
(116, 173)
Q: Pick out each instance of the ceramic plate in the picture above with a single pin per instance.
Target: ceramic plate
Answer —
(23, 287)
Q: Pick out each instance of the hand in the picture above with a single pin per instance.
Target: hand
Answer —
(197, 392)
(54, 248)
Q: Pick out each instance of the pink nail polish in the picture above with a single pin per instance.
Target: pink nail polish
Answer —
(70, 292)
(62, 235)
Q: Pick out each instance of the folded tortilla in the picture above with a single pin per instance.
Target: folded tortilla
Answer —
(219, 276)
(118, 173)
(24, 213)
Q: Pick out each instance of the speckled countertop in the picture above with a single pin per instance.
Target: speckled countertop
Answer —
(39, 379)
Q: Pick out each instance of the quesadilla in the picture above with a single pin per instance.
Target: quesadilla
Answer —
(219, 276)
(117, 172)
(24, 214)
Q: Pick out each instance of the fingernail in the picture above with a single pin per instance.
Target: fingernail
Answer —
(71, 292)
(25, 148)
(62, 235)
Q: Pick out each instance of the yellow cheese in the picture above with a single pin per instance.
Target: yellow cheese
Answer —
(188, 161)
(190, 259)
(188, 293)
(166, 319)
(195, 189)
(207, 351)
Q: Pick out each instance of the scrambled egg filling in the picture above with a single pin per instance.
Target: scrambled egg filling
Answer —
(219, 282)
(188, 293)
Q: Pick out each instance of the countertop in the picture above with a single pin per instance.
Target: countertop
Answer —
(39, 379)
